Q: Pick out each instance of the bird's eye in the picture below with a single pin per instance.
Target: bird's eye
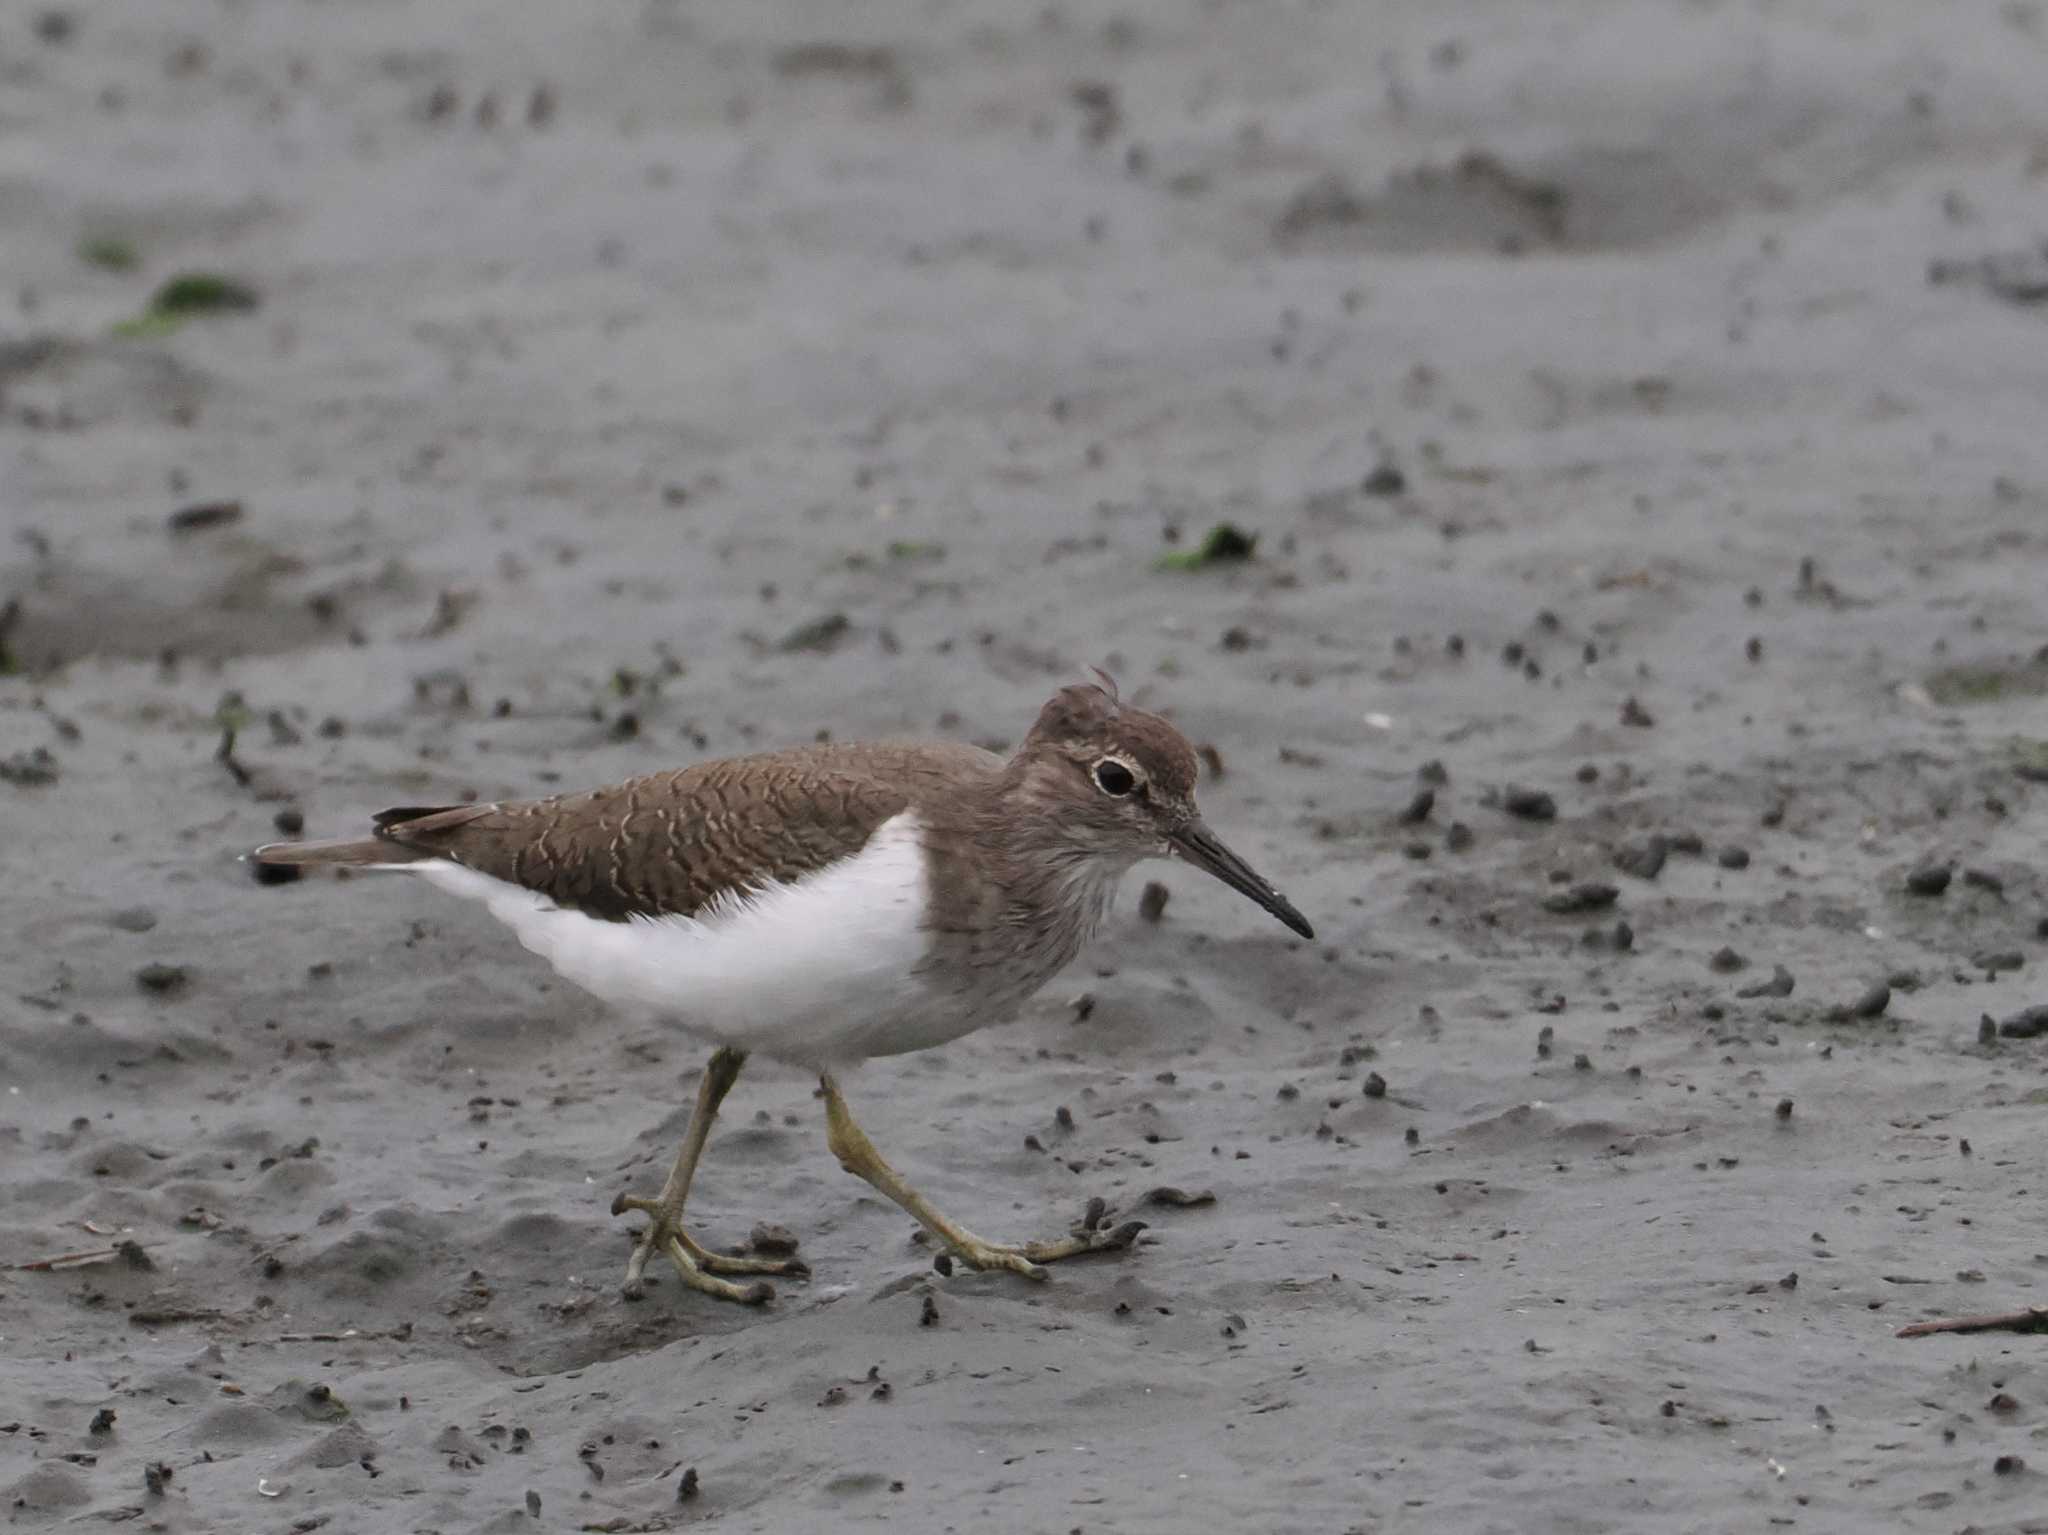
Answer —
(1113, 778)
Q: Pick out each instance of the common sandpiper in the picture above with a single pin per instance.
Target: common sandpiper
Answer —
(824, 905)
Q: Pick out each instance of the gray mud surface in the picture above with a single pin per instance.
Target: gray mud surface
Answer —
(637, 382)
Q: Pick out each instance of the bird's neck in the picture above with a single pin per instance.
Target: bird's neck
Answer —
(1054, 874)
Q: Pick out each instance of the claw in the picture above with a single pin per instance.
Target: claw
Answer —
(695, 1265)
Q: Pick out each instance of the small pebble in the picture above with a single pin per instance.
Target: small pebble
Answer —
(1929, 879)
(1418, 808)
(1727, 961)
(1385, 480)
(1375, 1085)
(928, 1316)
(1528, 804)
(1587, 896)
(1635, 715)
(289, 821)
(1779, 985)
(30, 769)
(1644, 860)
(1733, 858)
(1784, 1108)
(1459, 837)
(1875, 999)
(1179, 1198)
(1582, 1062)
(2025, 1024)
(133, 919)
(161, 978)
(207, 514)
(1152, 903)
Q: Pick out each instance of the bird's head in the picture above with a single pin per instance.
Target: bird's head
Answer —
(1118, 783)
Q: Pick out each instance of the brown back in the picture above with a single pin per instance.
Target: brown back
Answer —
(674, 843)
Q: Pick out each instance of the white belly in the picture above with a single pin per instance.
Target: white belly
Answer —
(816, 971)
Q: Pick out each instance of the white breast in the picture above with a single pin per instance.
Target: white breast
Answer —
(816, 970)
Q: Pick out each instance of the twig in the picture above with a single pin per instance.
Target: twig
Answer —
(72, 1260)
(170, 1315)
(2033, 1319)
(402, 1333)
(224, 754)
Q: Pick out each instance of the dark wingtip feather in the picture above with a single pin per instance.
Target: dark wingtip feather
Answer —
(383, 820)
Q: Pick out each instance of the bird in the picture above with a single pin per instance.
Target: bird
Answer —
(824, 905)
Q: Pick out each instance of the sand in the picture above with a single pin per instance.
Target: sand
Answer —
(1634, 405)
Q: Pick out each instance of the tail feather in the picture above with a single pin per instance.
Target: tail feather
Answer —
(339, 851)
(386, 846)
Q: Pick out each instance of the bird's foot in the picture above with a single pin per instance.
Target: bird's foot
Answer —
(1091, 1234)
(698, 1267)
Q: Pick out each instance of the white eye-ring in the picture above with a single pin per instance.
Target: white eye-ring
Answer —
(1115, 778)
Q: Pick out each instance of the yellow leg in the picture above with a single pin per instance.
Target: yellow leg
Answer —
(665, 1233)
(857, 1154)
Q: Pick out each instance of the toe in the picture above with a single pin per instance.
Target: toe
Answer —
(1002, 1258)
